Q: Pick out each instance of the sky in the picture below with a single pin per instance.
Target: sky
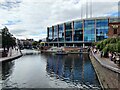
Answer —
(30, 18)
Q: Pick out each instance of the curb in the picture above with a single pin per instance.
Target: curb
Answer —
(11, 58)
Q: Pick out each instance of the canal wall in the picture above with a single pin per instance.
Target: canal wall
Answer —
(69, 50)
(18, 54)
(108, 78)
(5, 59)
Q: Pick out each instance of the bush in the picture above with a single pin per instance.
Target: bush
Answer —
(101, 45)
(105, 51)
(118, 47)
(110, 44)
(112, 47)
(98, 45)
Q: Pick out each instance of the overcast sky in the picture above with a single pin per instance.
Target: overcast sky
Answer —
(30, 18)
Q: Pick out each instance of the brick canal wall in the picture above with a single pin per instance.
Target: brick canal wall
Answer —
(108, 79)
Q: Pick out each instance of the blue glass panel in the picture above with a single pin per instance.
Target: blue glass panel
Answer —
(68, 35)
(55, 33)
(61, 28)
(68, 26)
(101, 29)
(50, 34)
(89, 30)
(61, 33)
(77, 25)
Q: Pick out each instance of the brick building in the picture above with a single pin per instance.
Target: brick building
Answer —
(114, 29)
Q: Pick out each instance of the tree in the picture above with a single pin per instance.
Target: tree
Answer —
(7, 39)
(40, 41)
(35, 43)
(109, 45)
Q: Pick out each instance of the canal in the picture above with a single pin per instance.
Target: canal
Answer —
(50, 71)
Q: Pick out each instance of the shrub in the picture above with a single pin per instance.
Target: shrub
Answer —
(101, 45)
(112, 47)
(98, 45)
(118, 47)
(105, 51)
(110, 44)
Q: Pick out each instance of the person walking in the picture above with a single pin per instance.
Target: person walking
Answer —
(95, 51)
(113, 57)
(101, 54)
(110, 56)
(10, 51)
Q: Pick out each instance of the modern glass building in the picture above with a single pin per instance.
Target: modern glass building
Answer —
(79, 32)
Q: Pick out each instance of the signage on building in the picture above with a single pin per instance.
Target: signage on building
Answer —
(115, 26)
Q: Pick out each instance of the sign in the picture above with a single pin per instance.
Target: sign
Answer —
(115, 26)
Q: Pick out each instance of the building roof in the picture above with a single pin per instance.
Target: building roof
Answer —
(85, 19)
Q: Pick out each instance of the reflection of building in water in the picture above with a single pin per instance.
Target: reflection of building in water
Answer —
(75, 68)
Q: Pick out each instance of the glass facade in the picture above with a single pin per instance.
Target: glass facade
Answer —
(68, 33)
(55, 33)
(50, 34)
(78, 31)
(89, 30)
(101, 29)
(61, 32)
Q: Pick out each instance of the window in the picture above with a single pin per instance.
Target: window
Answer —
(115, 31)
(50, 34)
(89, 30)
(68, 26)
(77, 25)
(101, 29)
(61, 33)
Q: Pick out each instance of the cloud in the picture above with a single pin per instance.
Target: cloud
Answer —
(9, 4)
(18, 31)
(30, 18)
(12, 22)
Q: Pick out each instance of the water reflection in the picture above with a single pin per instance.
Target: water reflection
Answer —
(7, 69)
(72, 68)
(49, 71)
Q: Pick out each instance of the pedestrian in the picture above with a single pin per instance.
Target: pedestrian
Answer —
(110, 56)
(113, 56)
(88, 49)
(98, 51)
(16, 48)
(95, 50)
(101, 54)
(10, 51)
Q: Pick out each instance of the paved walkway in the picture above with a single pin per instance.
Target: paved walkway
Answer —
(11, 54)
(107, 63)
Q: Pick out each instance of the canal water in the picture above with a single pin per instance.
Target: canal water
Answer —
(50, 71)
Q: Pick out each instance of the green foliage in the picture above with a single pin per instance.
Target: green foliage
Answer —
(105, 50)
(112, 47)
(7, 39)
(118, 47)
(110, 44)
(35, 43)
(98, 45)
